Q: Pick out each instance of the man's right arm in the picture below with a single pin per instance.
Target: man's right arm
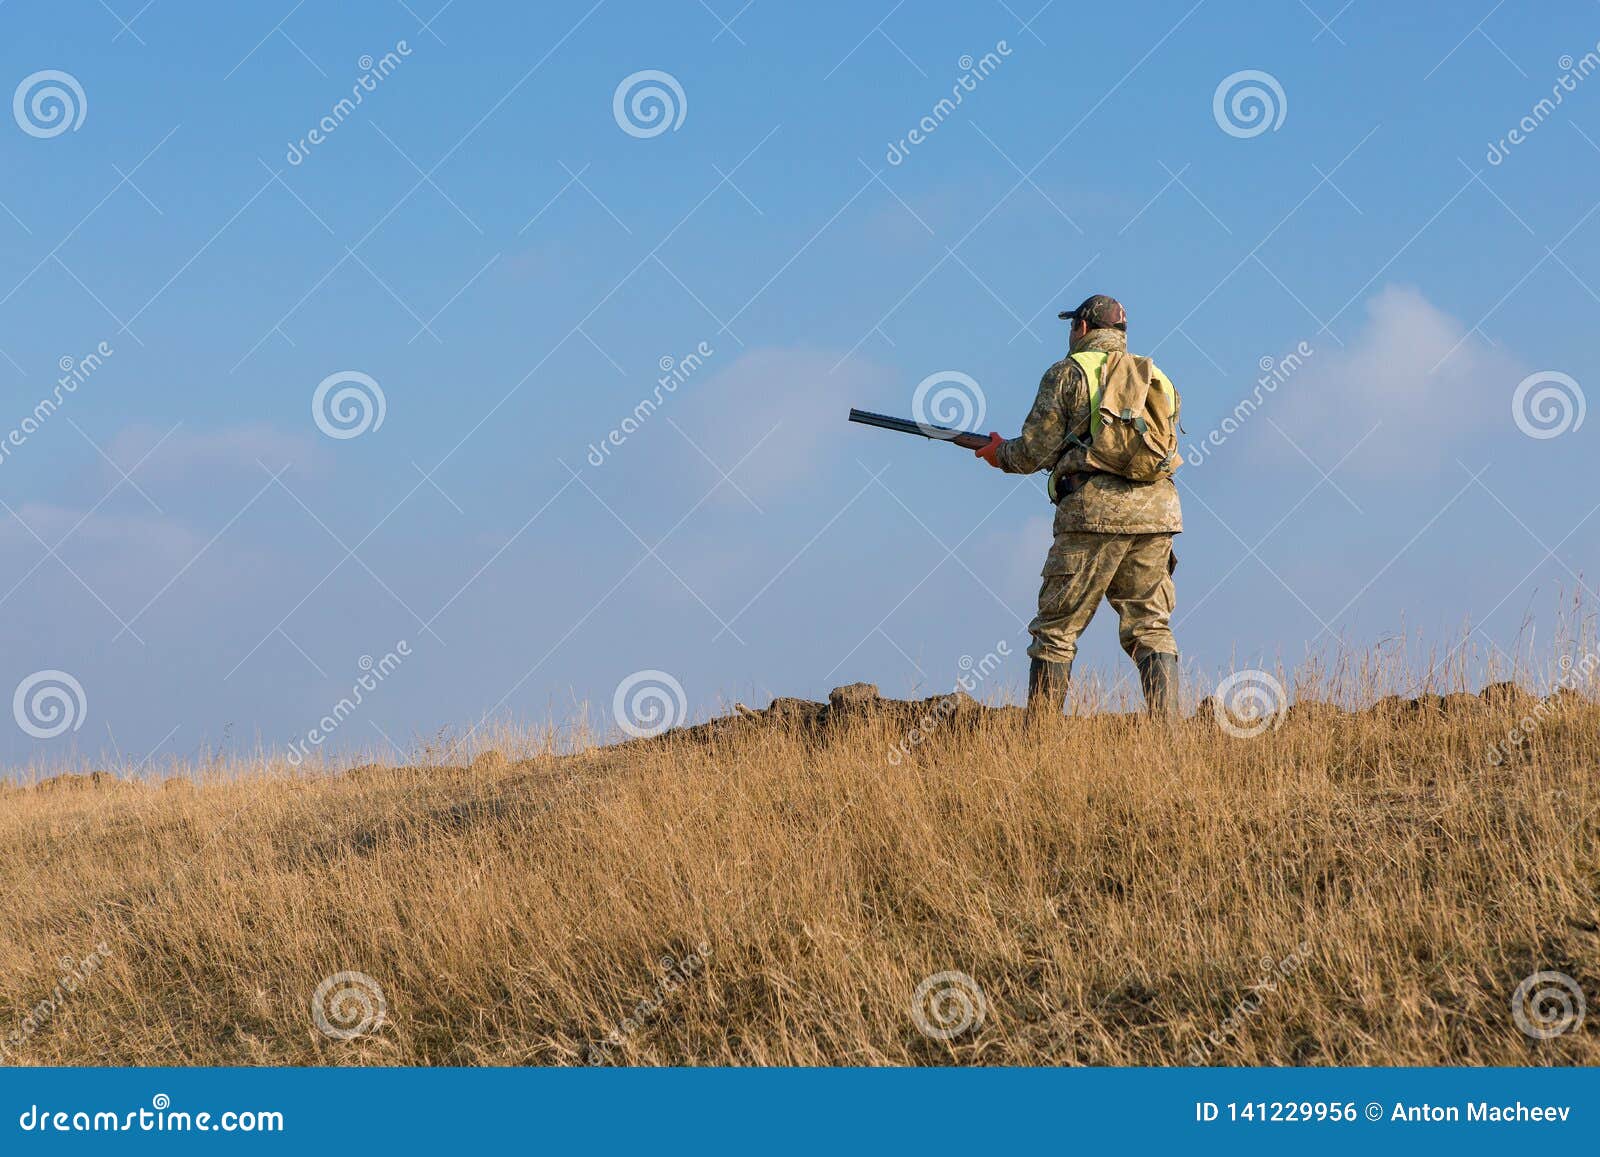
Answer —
(1044, 433)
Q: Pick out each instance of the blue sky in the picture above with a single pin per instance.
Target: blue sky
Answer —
(483, 240)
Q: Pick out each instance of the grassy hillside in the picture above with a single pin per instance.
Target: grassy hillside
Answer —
(1346, 888)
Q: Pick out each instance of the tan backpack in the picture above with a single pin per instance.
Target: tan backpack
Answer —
(1133, 422)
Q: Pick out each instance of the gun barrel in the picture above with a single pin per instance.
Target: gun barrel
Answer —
(922, 429)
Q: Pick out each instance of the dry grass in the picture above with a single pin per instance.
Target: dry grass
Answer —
(1116, 889)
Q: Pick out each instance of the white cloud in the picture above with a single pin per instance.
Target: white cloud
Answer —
(185, 452)
(1431, 387)
(122, 558)
(148, 535)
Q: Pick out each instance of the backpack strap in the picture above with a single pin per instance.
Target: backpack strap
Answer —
(1092, 363)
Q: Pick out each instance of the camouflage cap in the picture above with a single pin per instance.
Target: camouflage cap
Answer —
(1099, 312)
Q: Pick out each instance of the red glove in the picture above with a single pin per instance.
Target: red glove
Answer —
(989, 450)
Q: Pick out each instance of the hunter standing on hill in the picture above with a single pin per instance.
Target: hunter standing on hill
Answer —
(1105, 424)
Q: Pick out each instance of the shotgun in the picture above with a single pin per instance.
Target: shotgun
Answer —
(965, 438)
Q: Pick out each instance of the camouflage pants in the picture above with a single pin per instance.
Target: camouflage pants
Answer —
(1133, 572)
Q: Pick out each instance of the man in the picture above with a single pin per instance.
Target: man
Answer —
(1113, 535)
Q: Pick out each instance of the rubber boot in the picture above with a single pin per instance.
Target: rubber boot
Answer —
(1047, 685)
(1158, 675)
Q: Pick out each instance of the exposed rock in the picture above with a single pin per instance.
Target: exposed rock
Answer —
(959, 702)
(69, 781)
(1507, 695)
(853, 695)
(783, 707)
(367, 771)
(1311, 710)
(1567, 698)
(490, 760)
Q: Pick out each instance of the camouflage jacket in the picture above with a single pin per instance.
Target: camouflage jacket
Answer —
(1106, 503)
